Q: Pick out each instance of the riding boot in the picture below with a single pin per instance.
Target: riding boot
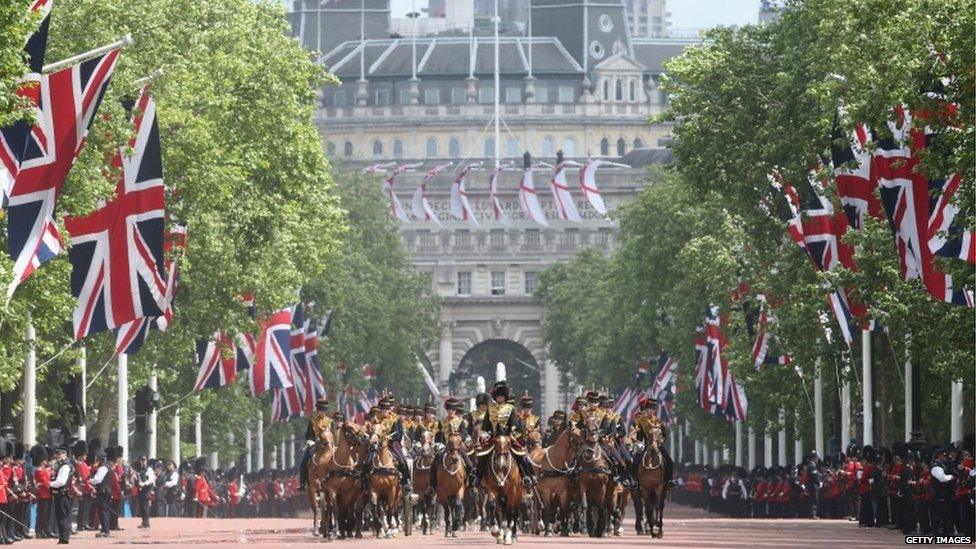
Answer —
(432, 484)
(668, 467)
(303, 471)
(367, 469)
(528, 475)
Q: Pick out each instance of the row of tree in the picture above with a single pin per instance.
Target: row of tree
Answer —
(245, 171)
(747, 102)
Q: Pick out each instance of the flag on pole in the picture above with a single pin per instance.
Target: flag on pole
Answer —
(565, 206)
(67, 102)
(460, 207)
(528, 197)
(587, 177)
(315, 381)
(271, 363)
(420, 205)
(396, 208)
(496, 202)
(851, 161)
(117, 250)
(215, 359)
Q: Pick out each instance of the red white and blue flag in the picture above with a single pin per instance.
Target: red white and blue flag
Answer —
(67, 102)
(316, 382)
(271, 368)
(117, 250)
(216, 361)
(299, 364)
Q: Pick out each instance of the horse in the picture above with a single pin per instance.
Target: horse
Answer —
(653, 489)
(318, 467)
(423, 459)
(594, 480)
(554, 466)
(451, 478)
(343, 500)
(503, 486)
(384, 485)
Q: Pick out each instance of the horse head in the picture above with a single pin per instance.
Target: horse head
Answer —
(501, 457)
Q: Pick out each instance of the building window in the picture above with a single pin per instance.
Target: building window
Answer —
(606, 90)
(533, 238)
(638, 143)
(464, 283)
(604, 147)
(377, 148)
(382, 97)
(568, 237)
(496, 237)
(602, 236)
(404, 97)
(397, 149)
(458, 96)
(347, 149)
(431, 147)
(542, 95)
(548, 147)
(498, 283)
(621, 146)
(566, 94)
(513, 95)
(454, 148)
(633, 90)
(486, 95)
(426, 239)
(569, 147)
(619, 90)
(489, 148)
(339, 98)
(432, 96)
(511, 148)
(531, 282)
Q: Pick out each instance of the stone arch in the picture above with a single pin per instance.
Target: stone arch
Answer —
(524, 373)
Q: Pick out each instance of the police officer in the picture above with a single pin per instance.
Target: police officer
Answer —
(942, 494)
(814, 481)
(61, 490)
(146, 480)
(101, 480)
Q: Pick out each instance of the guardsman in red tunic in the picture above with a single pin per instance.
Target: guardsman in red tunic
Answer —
(42, 490)
(6, 525)
(233, 497)
(19, 485)
(83, 474)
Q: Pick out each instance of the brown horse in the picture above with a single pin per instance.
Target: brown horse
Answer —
(318, 468)
(653, 488)
(423, 459)
(503, 486)
(343, 500)
(554, 467)
(451, 477)
(384, 485)
(594, 480)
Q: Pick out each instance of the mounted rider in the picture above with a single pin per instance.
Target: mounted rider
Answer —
(618, 432)
(318, 429)
(393, 425)
(501, 420)
(592, 413)
(530, 421)
(453, 423)
(475, 418)
(644, 423)
(554, 426)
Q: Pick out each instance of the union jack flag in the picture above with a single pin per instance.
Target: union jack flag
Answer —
(285, 405)
(756, 319)
(736, 408)
(298, 362)
(666, 374)
(271, 368)
(851, 161)
(215, 357)
(626, 405)
(16, 138)
(117, 251)
(315, 381)
(66, 105)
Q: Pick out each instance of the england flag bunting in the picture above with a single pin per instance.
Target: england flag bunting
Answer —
(18, 137)
(420, 205)
(460, 206)
(496, 201)
(912, 212)
(565, 206)
(587, 177)
(67, 101)
(117, 251)
(271, 368)
(396, 208)
(217, 366)
(529, 199)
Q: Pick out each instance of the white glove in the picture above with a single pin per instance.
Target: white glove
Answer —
(309, 443)
(438, 447)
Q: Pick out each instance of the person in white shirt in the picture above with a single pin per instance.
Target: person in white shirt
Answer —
(100, 480)
(146, 480)
(61, 490)
(171, 490)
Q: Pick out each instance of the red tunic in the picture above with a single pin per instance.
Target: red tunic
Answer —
(864, 486)
(232, 494)
(42, 482)
(3, 488)
(84, 476)
(202, 490)
(115, 483)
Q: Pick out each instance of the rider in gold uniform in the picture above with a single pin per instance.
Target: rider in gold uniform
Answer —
(452, 423)
(530, 421)
(394, 433)
(604, 422)
(617, 433)
(318, 425)
(645, 421)
(501, 419)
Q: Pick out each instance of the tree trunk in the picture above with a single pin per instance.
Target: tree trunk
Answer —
(106, 419)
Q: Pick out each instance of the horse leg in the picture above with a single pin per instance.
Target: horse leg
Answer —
(660, 516)
(639, 513)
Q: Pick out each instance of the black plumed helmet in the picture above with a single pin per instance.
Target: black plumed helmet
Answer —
(79, 448)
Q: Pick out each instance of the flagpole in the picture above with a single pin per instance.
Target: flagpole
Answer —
(497, 93)
(248, 450)
(738, 444)
(751, 444)
(259, 461)
(154, 386)
(83, 367)
(781, 439)
(175, 441)
(123, 402)
(867, 400)
(198, 434)
(125, 41)
(29, 420)
(818, 412)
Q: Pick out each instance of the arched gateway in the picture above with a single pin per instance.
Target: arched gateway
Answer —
(487, 273)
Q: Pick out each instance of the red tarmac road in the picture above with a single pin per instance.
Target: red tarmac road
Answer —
(683, 527)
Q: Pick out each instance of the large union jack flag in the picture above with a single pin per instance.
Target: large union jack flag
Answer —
(298, 364)
(67, 102)
(315, 381)
(15, 139)
(271, 363)
(117, 251)
(215, 357)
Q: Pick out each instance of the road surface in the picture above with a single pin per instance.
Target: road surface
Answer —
(683, 527)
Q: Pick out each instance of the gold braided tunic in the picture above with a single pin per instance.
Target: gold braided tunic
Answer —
(321, 424)
(499, 414)
(451, 426)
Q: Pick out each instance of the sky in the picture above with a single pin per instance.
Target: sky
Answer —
(684, 13)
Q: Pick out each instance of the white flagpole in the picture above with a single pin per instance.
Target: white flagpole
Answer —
(154, 385)
(122, 43)
(867, 400)
(83, 366)
(175, 444)
(498, 86)
(123, 403)
(29, 419)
